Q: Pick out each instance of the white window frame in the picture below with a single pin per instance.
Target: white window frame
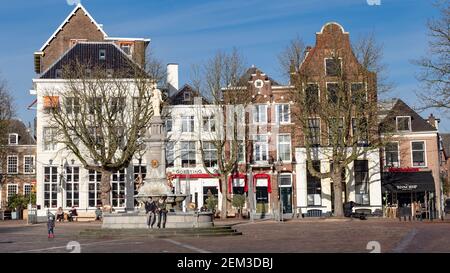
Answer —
(364, 87)
(190, 123)
(424, 153)
(96, 190)
(285, 174)
(278, 147)
(31, 189)
(188, 152)
(208, 121)
(318, 89)
(51, 183)
(257, 114)
(398, 151)
(102, 54)
(17, 164)
(244, 152)
(325, 65)
(277, 111)
(72, 191)
(32, 165)
(320, 130)
(396, 123)
(118, 182)
(186, 96)
(49, 145)
(266, 143)
(169, 120)
(7, 190)
(16, 137)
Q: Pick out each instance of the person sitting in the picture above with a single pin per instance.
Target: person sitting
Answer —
(72, 214)
(60, 214)
(98, 214)
(204, 208)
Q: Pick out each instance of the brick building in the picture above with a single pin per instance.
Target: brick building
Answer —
(17, 170)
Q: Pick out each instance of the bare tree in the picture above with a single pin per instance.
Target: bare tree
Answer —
(103, 115)
(6, 113)
(435, 67)
(336, 109)
(220, 80)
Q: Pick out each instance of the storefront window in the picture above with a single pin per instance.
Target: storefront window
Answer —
(94, 188)
(139, 172)
(118, 189)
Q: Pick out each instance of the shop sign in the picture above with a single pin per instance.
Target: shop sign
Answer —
(406, 187)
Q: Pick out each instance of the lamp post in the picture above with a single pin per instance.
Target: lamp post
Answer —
(280, 203)
(250, 192)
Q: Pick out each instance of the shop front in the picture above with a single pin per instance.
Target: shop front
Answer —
(409, 188)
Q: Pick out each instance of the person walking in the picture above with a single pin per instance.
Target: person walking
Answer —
(162, 211)
(150, 209)
(50, 225)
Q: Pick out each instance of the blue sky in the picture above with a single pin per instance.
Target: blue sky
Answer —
(189, 32)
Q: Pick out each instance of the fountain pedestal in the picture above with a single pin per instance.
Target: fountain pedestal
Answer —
(155, 187)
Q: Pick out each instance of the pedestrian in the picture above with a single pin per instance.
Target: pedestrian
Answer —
(60, 214)
(162, 211)
(98, 214)
(50, 225)
(150, 209)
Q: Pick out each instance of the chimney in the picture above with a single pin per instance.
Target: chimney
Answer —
(172, 78)
(433, 121)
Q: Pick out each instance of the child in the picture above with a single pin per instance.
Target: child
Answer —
(51, 225)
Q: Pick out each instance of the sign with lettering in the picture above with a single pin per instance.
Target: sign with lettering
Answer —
(192, 171)
(406, 187)
(403, 170)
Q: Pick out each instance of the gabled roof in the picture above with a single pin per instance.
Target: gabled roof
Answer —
(79, 6)
(389, 110)
(16, 126)
(446, 143)
(87, 53)
(178, 98)
(252, 71)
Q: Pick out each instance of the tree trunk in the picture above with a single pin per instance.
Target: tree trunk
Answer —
(337, 184)
(105, 188)
(223, 210)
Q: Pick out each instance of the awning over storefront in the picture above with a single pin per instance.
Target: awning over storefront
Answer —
(407, 182)
(237, 176)
(262, 176)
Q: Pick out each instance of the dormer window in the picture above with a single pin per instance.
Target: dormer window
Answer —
(13, 139)
(127, 48)
(403, 123)
(102, 54)
(187, 96)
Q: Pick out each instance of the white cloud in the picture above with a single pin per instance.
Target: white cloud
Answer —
(73, 2)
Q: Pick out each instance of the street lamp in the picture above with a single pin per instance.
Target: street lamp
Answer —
(280, 204)
(250, 191)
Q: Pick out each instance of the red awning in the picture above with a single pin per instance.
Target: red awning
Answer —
(239, 176)
(262, 175)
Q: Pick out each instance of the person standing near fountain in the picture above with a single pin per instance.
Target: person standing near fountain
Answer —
(150, 209)
(162, 212)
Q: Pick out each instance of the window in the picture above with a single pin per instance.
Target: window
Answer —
(312, 94)
(58, 73)
(403, 123)
(118, 189)
(209, 154)
(286, 180)
(72, 187)
(94, 194)
(260, 114)
(117, 104)
(418, 153)
(313, 137)
(127, 48)
(207, 191)
(241, 152)
(238, 185)
(12, 162)
(358, 93)
(72, 105)
(102, 54)
(361, 168)
(209, 124)
(333, 67)
(314, 187)
(284, 147)
(27, 188)
(283, 113)
(51, 103)
(391, 155)
(28, 164)
(170, 154)
(333, 92)
(12, 190)
(95, 105)
(13, 139)
(188, 154)
(259, 83)
(50, 187)
(49, 138)
(336, 130)
(261, 148)
(187, 96)
(359, 131)
(169, 125)
(139, 173)
(187, 124)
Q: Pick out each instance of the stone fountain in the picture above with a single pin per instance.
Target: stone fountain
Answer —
(155, 185)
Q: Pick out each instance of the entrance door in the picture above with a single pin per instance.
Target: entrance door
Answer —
(262, 200)
(286, 199)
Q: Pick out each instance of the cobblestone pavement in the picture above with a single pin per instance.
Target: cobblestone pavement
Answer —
(329, 235)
